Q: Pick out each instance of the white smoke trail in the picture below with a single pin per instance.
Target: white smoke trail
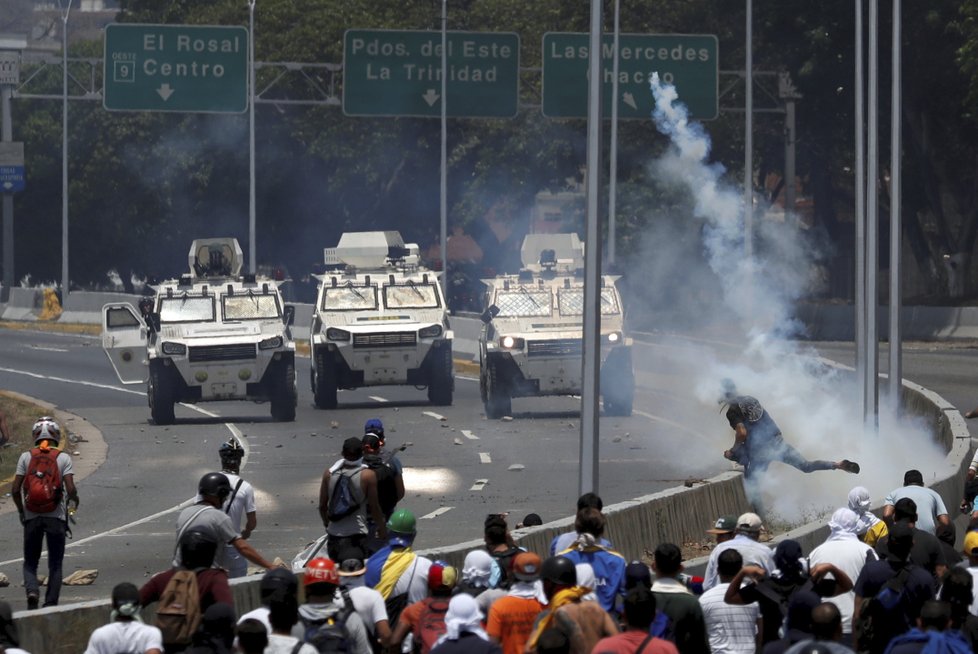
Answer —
(813, 404)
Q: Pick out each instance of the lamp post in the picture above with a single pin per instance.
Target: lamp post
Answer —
(64, 152)
(251, 137)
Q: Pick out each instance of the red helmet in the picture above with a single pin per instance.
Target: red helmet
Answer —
(321, 571)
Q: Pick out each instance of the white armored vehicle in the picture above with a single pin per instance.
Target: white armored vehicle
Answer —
(532, 341)
(380, 319)
(212, 334)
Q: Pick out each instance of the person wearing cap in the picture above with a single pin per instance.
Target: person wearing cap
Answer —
(424, 620)
(321, 581)
(724, 528)
(463, 630)
(676, 602)
(369, 603)
(395, 571)
(843, 549)
(607, 564)
(277, 582)
(639, 614)
(970, 550)
(389, 471)
(918, 587)
(583, 623)
(350, 529)
(51, 525)
(511, 617)
(870, 528)
(125, 632)
(758, 441)
(746, 541)
(926, 551)
(930, 505)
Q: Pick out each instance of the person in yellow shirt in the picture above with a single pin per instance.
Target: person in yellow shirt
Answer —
(870, 528)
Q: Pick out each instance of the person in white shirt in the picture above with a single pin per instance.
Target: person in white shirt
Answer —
(125, 633)
(844, 550)
(731, 628)
(239, 505)
(746, 542)
(367, 602)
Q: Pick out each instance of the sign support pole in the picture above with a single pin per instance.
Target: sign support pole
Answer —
(8, 201)
(613, 154)
(64, 154)
(251, 137)
(443, 185)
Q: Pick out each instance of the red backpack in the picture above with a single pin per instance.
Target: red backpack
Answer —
(431, 624)
(42, 483)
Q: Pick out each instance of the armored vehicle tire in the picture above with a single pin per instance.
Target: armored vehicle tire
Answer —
(160, 394)
(283, 392)
(324, 388)
(498, 402)
(441, 382)
(618, 406)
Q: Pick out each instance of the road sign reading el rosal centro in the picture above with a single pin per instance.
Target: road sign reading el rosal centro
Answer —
(398, 73)
(688, 61)
(191, 68)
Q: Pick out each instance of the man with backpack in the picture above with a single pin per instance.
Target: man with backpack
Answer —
(502, 549)
(240, 505)
(329, 620)
(347, 492)
(390, 482)
(889, 594)
(44, 478)
(425, 619)
(186, 591)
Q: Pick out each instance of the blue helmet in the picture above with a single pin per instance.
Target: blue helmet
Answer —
(374, 426)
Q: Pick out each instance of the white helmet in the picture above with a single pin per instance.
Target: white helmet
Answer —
(46, 429)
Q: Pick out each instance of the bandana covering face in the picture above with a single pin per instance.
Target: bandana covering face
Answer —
(859, 502)
(843, 524)
(477, 568)
(463, 615)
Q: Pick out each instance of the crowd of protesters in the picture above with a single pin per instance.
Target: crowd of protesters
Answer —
(874, 585)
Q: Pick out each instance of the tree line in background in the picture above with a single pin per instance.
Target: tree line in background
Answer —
(143, 185)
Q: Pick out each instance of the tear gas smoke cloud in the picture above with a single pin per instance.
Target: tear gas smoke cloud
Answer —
(751, 299)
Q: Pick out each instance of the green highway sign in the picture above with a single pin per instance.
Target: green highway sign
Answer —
(688, 61)
(398, 73)
(191, 68)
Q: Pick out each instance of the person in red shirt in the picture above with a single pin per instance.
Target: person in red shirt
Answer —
(197, 550)
(636, 639)
(511, 617)
(425, 620)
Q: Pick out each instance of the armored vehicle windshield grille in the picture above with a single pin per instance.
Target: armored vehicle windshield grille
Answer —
(560, 347)
(386, 339)
(234, 352)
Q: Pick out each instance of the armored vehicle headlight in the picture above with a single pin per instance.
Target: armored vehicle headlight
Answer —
(511, 343)
(336, 334)
(174, 349)
(613, 337)
(270, 343)
(434, 331)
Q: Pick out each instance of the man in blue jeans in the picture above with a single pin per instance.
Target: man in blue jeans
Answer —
(40, 521)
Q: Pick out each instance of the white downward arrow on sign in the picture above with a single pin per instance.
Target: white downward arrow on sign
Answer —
(165, 92)
(629, 99)
(431, 97)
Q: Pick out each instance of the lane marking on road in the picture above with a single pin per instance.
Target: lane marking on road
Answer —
(437, 512)
(479, 484)
(80, 382)
(484, 457)
(377, 398)
(48, 349)
(436, 416)
(665, 421)
(469, 435)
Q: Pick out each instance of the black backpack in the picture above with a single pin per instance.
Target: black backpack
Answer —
(881, 616)
(331, 634)
(504, 560)
(386, 486)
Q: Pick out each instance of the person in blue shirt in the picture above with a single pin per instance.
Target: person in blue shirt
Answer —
(608, 565)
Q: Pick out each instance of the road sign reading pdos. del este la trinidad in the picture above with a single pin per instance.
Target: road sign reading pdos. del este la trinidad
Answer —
(398, 73)
(191, 68)
(690, 62)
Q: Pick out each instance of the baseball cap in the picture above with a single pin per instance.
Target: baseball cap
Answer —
(749, 522)
(526, 566)
(971, 542)
(724, 525)
(441, 575)
(351, 562)
(278, 579)
(637, 573)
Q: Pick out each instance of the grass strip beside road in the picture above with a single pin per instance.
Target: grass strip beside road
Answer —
(21, 416)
